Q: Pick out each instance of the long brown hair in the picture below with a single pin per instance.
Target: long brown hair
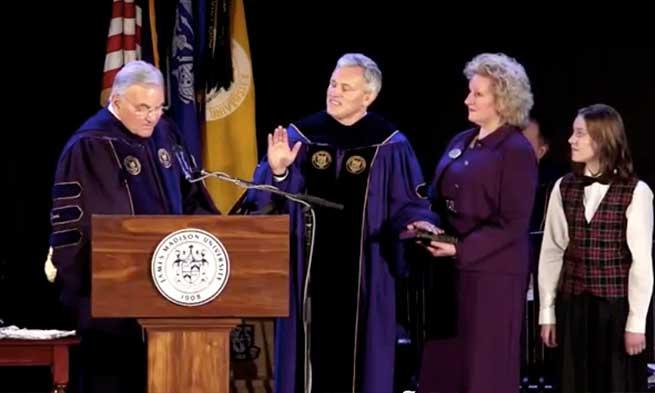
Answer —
(605, 126)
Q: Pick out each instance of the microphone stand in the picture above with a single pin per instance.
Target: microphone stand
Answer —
(308, 202)
(303, 199)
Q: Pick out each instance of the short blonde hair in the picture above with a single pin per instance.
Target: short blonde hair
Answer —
(510, 85)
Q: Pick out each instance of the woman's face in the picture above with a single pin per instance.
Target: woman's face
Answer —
(481, 102)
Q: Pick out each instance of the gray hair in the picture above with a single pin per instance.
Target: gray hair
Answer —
(136, 72)
(372, 73)
(511, 86)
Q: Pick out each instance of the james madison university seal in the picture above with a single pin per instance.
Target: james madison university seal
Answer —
(190, 267)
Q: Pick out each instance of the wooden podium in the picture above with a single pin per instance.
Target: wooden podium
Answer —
(189, 346)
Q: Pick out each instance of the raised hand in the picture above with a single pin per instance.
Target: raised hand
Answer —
(280, 155)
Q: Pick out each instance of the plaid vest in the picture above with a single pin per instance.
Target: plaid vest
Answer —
(597, 258)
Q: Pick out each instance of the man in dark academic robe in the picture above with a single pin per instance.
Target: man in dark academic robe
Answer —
(120, 161)
(341, 331)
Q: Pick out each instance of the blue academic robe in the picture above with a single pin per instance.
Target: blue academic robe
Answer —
(371, 168)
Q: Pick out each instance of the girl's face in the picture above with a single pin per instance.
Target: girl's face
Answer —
(583, 148)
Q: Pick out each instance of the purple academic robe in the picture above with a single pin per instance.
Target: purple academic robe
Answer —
(486, 193)
(105, 169)
(371, 168)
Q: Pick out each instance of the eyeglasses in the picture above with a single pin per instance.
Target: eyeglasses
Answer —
(144, 110)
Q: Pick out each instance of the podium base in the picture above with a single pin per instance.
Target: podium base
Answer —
(188, 355)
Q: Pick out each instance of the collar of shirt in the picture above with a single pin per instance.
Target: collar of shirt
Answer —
(588, 178)
(112, 110)
(495, 138)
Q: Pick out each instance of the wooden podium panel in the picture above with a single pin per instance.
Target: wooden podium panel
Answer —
(257, 246)
(189, 346)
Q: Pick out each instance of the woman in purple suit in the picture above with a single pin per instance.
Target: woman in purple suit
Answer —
(483, 189)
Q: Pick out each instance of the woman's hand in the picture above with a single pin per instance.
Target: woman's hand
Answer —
(635, 343)
(548, 335)
(441, 249)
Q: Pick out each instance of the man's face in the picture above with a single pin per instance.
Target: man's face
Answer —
(140, 107)
(347, 95)
(532, 134)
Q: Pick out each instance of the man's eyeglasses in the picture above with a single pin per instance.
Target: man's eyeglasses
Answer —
(144, 110)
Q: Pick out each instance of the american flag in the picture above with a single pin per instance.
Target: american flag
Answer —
(123, 41)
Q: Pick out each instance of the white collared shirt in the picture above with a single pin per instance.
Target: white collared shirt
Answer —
(112, 110)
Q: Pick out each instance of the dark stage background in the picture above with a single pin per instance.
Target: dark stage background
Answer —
(57, 66)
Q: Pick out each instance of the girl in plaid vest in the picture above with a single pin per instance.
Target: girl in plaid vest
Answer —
(595, 266)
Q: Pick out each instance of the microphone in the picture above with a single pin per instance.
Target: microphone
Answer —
(181, 157)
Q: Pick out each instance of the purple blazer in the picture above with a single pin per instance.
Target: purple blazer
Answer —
(487, 192)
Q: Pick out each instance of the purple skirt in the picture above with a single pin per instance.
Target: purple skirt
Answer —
(484, 354)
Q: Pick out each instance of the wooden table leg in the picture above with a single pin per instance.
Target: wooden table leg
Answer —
(59, 389)
(60, 368)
